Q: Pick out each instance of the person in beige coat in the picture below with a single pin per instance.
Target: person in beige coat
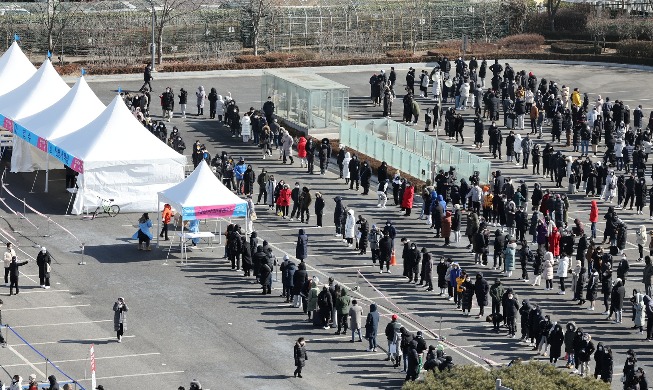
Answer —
(355, 320)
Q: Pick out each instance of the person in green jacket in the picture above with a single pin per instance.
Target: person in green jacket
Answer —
(343, 304)
(312, 299)
(415, 107)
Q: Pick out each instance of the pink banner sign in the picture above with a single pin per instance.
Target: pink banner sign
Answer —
(77, 165)
(8, 124)
(202, 212)
(42, 144)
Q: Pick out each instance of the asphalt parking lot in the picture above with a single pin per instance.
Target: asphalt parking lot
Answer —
(202, 320)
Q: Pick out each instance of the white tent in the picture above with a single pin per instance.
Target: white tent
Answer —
(15, 69)
(118, 158)
(41, 91)
(76, 109)
(202, 196)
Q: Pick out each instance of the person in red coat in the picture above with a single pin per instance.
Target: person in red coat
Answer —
(554, 242)
(594, 217)
(301, 151)
(446, 227)
(283, 201)
(407, 200)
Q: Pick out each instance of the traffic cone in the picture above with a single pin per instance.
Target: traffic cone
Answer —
(393, 258)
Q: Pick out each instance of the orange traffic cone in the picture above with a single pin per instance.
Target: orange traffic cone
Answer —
(393, 258)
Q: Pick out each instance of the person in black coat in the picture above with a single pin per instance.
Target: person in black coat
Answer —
(44, 260)
(365, 175)
(427, 270)
(319, 208)
(524, 312)
(338, 215)
(617, 301)
(325, 306)
(13, 274)
(258, 259)
(354, 172)
(288, 269)
(300, 356)
(385, 251)
(364, 229)
(299, 284)
(622, 270)
(246, 255)
(510, 310)
(481, 289)
(301, 249)
(411, 258)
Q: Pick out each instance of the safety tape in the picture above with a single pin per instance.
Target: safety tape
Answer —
(35, 211)
(44, 357)
(410, 317)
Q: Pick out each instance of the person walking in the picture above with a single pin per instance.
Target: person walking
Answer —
(355, 319)
(166, 216)
(44, 261)
(300, 356)
(120, 310)
(147, 78)
(372, 327)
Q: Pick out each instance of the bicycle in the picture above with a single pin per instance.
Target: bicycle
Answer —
(106, 207)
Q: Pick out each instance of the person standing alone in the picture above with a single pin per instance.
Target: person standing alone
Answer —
(9, 253)
(44, 261)
(300, 356)
(120, 310)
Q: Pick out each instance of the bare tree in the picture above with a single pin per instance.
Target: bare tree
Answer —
(55, 16)
(167, 11)
(552, 7)
(254, 14)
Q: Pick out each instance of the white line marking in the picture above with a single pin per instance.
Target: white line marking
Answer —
(44, 291)
(60, 324)
(133, 375)
(21, 357)
(86, 359)
(46, 307)
(249, 291)
(356, 356)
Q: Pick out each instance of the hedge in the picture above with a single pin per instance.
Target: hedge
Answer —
(635, 49)
(519, 376)
(575, 48)
(522, 42)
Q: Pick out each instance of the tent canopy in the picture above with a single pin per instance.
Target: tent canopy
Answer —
(201, 195)
(42, 90)
(113, 138)
(15, 69)
(75, 110)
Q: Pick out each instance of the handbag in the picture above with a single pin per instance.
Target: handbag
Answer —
(253, 217)
(48, 267)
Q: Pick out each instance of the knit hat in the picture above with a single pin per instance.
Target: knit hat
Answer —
(394, 317)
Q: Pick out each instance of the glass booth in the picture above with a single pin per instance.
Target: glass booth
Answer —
(307, 101)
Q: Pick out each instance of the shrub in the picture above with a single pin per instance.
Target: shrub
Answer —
(277, 57)
(247, 59)
(522, 42)
(575, 48)
(304, 55)
(399, 53)
(520, 376)
(635, 49)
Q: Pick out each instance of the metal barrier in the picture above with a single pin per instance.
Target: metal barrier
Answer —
(411, 151)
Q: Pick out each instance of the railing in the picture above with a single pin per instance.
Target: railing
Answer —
(378, 138)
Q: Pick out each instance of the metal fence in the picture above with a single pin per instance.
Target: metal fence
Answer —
(409, 150)
(117, 32)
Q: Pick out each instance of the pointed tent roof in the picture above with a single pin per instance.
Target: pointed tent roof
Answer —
(15, 68)
(114, 138)
(202, 195)
(76, 109)
(41, 91)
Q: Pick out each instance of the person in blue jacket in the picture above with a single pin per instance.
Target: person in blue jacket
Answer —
(143, 233)
(239, 172)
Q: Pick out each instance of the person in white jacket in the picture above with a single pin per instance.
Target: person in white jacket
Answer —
(245, 127)
(517, 149)
(563, 268)
(437, 81)
(219, 108)
(349, 228)
(618, 153)
(345, 171)
(610, 187)
(640, 238)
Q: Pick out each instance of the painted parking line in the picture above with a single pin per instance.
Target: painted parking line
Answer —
(46, 307)
(295, 228)
(44, 291)
(71, 342)
(250, 291)
(86, 359)
(133, 375)
(329, 338)
(27, 362)
(59, 324)
(360, 355)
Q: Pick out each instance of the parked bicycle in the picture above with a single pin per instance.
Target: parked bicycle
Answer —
(106, 207)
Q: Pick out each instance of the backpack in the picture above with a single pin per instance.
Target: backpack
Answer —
(322, 300)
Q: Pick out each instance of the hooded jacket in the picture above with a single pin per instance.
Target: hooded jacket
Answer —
(301, 249)
(372, 322)
(349, 224)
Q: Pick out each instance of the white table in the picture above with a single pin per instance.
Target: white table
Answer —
(185, 237)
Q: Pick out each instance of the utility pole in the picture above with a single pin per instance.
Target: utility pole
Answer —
(153, 45)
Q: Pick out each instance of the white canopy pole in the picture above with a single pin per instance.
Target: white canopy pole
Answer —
(47, 171)
(158, 213)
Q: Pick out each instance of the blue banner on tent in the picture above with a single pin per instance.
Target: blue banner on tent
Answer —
(31, 138)
(73, 162)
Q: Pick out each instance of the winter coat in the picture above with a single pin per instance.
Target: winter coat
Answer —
(592, 286)
(355, 317)
(201, 96)
(594, 212)
(407, 201)
(548, 266)
(120, 316)
(345, 164)
(349, 225)
(372, 322)
(481, 289)
(301, 147)
(640, 310)
(556, 339)
(569, 337)
(509, 257)
(43, 260)
(312, 297)
(446, 225)
(286, 144)
(301, 249)
(563, 267)
(617, 296)
(300, 280)
(300, 355)
(270, 185)
(554, 242)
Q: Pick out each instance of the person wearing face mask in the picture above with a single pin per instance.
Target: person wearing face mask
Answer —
(44, 261)
(610, 187)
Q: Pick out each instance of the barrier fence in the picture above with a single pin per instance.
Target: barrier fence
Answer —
(409, 150)
(50, 368)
